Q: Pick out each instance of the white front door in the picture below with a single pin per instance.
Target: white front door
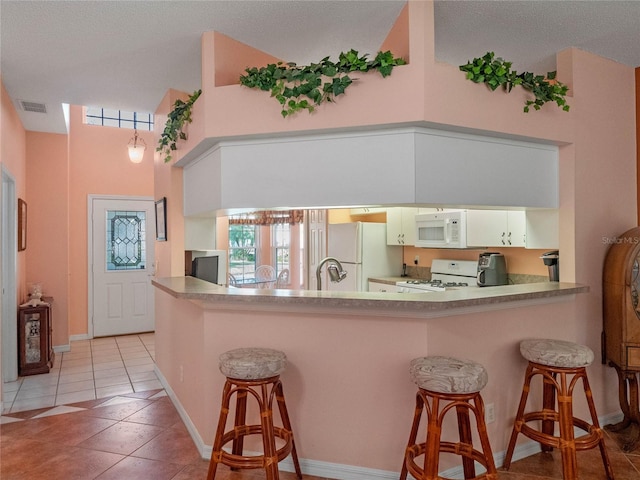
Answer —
(121, 264)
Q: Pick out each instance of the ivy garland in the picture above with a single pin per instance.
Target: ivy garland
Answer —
(177, 118)
(304, 87)
(495, 72)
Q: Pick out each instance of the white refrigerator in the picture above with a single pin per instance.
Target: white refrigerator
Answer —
(362, 249)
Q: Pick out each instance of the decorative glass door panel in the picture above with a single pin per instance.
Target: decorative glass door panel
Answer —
(126, 235)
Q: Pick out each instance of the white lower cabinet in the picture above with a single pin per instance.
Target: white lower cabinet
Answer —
(382, 287)
(496, 228)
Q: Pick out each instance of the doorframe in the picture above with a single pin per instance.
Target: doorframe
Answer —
(9, 269)
(90, 199)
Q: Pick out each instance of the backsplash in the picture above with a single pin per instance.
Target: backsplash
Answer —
(517, 278)
(424, 273)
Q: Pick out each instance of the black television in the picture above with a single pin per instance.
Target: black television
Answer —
(205, 268)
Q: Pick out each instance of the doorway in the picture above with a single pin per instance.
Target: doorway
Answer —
(121, 264)
(8, 265)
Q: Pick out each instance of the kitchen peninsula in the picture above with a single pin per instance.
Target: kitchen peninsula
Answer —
(347, 384)
(348, 356)
(429, 304)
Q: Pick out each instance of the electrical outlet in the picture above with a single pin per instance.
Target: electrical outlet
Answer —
(181, 374)
(416, 260)
(489, 413)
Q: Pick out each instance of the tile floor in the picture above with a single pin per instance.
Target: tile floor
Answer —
(92, 369)
(136, 432)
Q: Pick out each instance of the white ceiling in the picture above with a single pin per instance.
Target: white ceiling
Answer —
(126, 54)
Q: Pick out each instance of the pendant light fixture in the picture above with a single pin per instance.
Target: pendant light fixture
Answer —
(136, 147)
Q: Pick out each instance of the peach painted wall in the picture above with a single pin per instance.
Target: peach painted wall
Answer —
(48, 186)
(167, 182)
(14, 161)
(347, 373)
(598, 198)
(98, 164)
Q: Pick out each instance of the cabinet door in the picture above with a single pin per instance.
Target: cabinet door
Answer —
(380, 287)
(367, 210)
(542, 229)
(516, 229)
(401, 226)
(486, 228)
(394, 226)
(34, 340)
(409, 225)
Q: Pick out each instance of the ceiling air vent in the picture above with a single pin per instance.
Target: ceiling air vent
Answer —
(33, 107)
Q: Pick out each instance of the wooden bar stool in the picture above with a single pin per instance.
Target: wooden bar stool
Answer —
(560, 364)
(444, 384)
(253, 372)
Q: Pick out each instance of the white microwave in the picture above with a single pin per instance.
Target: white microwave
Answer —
(442, 229)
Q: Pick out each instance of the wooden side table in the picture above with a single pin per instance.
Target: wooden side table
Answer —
(35, 350)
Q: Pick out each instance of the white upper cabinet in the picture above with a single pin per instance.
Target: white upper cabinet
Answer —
(401, 226)
(496, 228)
(516, 229)
(367, 210)
(199, 233)
(543, 229)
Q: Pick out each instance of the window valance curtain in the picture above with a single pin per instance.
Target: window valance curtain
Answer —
(268, 217)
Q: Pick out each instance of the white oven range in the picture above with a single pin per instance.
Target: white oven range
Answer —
(445, 274)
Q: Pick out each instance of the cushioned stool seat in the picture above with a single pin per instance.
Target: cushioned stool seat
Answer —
(560, 364)
(454, 383)
(253, 372)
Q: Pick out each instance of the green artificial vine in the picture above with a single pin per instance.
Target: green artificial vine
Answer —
(178, 117)
(304, 87)
(495, 72)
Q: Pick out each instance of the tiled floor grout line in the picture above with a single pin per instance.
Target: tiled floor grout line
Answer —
(124, 364)
(135, 366)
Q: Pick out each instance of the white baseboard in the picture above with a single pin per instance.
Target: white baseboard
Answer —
(350, 472)
(83, 336)
(62, 348)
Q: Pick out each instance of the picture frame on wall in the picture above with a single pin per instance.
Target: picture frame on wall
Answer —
(161, 220)
(22, 225)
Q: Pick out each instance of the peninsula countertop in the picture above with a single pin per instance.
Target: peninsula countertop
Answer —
(450, 302)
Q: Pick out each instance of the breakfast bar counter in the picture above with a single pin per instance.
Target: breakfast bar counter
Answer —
(347, 384)
(421, 304)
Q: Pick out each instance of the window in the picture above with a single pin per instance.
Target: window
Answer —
(125, 243)
(242, 252)
(280, 245)
(118, 118)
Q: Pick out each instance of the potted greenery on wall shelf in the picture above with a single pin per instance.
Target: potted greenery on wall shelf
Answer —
(173, 129)
(297, 87)
(495, 72)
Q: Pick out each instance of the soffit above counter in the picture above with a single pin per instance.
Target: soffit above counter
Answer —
(374, 167)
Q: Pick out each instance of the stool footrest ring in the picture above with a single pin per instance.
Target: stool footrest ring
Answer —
(255, 461)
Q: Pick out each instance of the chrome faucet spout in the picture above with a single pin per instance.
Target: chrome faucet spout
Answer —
(336, 272)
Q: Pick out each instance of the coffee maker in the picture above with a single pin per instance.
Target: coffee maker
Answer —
(492, 269)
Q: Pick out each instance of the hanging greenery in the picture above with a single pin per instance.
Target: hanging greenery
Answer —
(304, 87)
(495, 72)
(176, 120)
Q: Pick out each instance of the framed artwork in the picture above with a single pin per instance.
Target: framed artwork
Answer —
(22, 225)
(161, 220)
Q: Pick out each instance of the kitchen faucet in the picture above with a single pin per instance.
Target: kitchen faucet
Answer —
(336, 272)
